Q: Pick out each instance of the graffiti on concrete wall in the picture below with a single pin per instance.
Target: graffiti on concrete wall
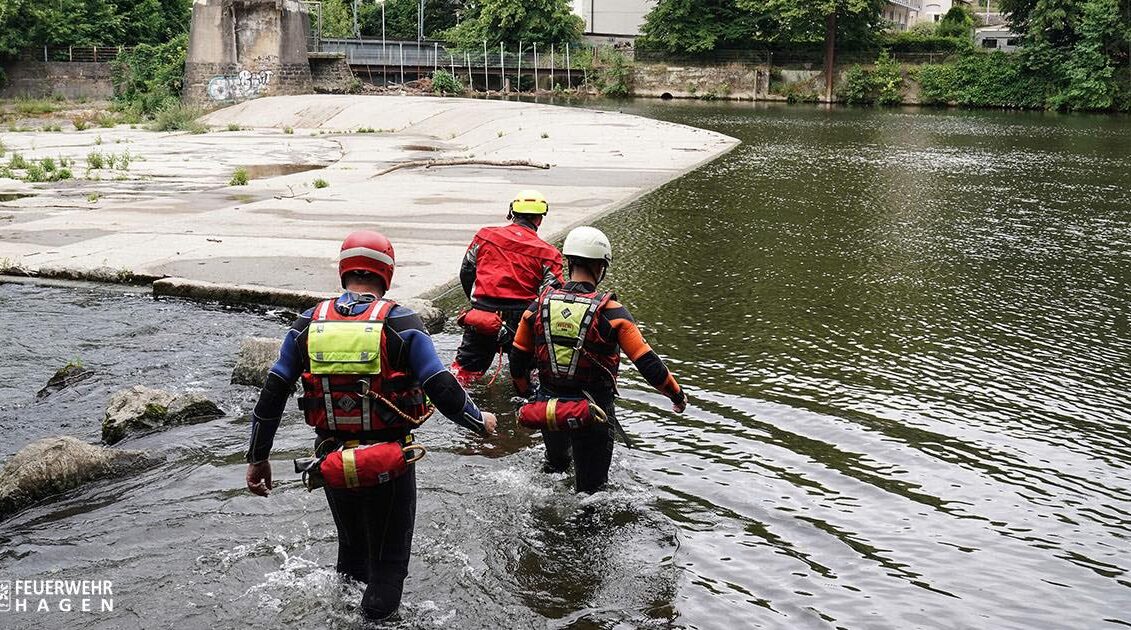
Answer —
(246, 84)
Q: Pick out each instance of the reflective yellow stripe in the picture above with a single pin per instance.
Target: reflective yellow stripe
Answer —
(349, 467)
(552, 413)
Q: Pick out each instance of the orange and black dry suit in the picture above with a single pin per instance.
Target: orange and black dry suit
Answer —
(374, 524)
(503, 271)
(598, 327)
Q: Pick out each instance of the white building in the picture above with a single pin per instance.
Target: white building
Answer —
(613, 18)
(996, 38)
(902, 14)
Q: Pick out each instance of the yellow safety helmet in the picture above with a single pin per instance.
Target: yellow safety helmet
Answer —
(529, 202)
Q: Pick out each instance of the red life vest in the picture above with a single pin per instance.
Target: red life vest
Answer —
(511, 263)
(568, 347)
(339, 402)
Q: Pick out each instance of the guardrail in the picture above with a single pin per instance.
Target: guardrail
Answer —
(436, 55)
(80, 54)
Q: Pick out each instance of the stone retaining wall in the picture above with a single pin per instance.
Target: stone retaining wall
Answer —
(72, 80)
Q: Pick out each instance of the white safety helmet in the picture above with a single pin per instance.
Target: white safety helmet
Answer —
(588, 242)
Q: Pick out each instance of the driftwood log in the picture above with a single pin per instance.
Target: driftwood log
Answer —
(461, 162)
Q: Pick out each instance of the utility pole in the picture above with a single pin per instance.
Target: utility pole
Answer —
(830, 54)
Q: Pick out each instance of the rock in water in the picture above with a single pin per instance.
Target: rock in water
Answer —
(141, 409)
(432, 316)
(68, 375)
(57, 464)
(254, 358)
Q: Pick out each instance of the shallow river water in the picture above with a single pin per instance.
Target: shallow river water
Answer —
(905, 336)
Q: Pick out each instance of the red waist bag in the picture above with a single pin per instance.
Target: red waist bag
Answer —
(487, 323)
(367, 466)
(557, 414)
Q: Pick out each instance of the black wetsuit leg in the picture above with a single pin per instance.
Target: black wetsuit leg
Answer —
(592, 455)
(476, 351)
(557, 451)
(375, 527)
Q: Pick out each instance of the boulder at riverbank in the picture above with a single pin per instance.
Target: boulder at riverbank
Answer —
(141, 409)
(57, 464)
(254, 358)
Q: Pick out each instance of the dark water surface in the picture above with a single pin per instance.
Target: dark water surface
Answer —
(906, 340)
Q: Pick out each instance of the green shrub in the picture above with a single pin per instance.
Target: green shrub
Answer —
(17, 161)
(62, 174)
(94, 161)
(48, 164)
(233, 127)
(288, 130)
(148, 77)
(35, 173)
(444, 82)
(321, 183)
(858, 86)
(608, 70)
(937, 83)
(998, 79)
(177, 116)
(239, 177)
(888, 79)
(35, 106)
(3, 149)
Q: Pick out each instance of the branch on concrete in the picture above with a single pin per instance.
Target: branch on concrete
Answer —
(461, 162)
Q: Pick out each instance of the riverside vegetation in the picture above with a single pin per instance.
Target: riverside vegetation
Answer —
(1075, 55)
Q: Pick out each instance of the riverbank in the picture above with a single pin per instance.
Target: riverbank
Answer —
(149, 205)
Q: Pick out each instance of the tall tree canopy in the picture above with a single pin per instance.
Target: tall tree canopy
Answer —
(514, 21)
(697, 25)
(30, 23)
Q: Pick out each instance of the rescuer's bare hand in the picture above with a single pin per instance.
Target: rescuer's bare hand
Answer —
(259, 478)
(490, 422)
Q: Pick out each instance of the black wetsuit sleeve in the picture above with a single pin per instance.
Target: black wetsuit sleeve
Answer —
(277, 388)
(467, 269)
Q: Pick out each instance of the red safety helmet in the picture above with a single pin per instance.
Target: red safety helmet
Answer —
(370, 252)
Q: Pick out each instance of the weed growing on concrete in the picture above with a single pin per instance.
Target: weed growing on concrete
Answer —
(444, 82)
(62, 174)
(35, 173)
(48, 164)
(52, 128)
(178, 117)
(545, 135)
(321, 183)
(239, 178)
(66, 162)
(94, 161)
(3, 149)
(106, 119)
(233, 127)
(121, 162)
(35, 106)
(93, 197)
(17, 161)
(288, 130)
(499, 134)
(98, 140)
(6, 173)
(80, 124)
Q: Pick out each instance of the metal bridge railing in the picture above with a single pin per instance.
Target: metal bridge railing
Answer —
(82, 54)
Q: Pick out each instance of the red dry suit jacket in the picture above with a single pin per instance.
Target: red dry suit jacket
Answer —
(506, 267)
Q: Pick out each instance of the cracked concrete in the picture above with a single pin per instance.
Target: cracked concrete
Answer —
(171, 212)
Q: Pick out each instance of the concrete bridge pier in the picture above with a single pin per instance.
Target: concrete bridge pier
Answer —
(244, 49)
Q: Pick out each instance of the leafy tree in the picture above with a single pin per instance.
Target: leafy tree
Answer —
(512, 21)
(401, 18)
(804, 20)
(1089, 70)
(958, 22)
(694, 26)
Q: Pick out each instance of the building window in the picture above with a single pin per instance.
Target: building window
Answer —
(937, 17)
(1012, 41)
(989, 42)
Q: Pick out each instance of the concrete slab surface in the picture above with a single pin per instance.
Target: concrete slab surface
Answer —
(166, 209)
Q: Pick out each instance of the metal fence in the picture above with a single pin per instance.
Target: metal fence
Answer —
(81, 54)
(435, 55)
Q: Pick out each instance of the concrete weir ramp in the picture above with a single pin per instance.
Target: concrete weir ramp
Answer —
(283, 232)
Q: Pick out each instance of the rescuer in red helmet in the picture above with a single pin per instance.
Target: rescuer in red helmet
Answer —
(504, 270)
(370, 375)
